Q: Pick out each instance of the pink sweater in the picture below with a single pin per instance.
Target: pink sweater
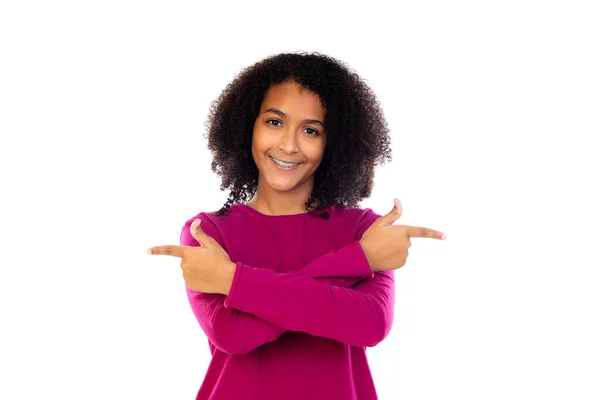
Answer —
(303, 306)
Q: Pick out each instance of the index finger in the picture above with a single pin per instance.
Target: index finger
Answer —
(176, 251)
(417, 231)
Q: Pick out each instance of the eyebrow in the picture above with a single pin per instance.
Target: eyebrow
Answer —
(282, 114)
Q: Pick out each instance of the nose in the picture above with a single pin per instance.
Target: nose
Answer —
(288, 141)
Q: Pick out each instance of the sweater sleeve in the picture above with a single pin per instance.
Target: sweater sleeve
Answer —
(236, 332)
(358, 316)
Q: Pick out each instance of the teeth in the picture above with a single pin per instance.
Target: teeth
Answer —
(283, 163)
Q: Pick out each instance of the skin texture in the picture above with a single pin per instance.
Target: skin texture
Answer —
(386, 245)
(206, 269)
(357, 135)
(289, 127)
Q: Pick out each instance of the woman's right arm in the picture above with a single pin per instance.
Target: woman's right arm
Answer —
(237, 332)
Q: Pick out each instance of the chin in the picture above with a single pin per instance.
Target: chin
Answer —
(283, 186)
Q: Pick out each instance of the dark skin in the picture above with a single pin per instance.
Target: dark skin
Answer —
(289, 127)
(209, 269)
(353, 126)
(206, 269)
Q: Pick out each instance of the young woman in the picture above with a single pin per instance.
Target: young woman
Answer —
(290, 280)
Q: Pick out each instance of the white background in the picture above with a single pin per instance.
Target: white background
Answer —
(493, 109)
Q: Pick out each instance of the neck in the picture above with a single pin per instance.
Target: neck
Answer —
(272, 202)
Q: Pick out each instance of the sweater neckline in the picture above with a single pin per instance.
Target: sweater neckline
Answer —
(256, 212)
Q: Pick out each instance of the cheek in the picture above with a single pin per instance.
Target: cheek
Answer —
(256, 142)
(317, 153)
(255, 152)
(260, 139)
(260, 145)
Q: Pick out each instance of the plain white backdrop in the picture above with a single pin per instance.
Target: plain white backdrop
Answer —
(493, 109)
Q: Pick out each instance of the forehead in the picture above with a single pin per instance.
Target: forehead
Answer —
(294, 100)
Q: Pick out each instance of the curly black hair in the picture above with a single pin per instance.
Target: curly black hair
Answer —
(357, 137)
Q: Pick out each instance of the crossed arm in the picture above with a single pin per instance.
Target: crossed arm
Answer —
(336, 296)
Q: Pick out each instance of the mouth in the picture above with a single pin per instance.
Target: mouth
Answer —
(284, 164)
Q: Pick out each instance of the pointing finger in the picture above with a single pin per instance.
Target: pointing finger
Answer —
(420, 232)
(176, 251)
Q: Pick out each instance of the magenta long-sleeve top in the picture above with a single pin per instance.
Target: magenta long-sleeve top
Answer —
(303, 306)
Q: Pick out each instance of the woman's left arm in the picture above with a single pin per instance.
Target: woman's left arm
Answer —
(358, 316)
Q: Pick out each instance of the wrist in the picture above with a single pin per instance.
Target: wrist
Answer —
(366, 252)
(226, 272)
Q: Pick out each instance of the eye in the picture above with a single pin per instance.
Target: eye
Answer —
(273, 122)
(311, 131)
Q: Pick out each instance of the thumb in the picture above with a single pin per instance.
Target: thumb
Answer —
(393, 215)
(200, 236)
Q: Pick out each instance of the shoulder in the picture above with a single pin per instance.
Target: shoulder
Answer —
(213, 225)
(358, 219)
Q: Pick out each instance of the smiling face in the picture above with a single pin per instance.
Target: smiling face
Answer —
(288, 140)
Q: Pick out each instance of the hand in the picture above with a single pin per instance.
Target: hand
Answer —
(206, 269)
(386, 245)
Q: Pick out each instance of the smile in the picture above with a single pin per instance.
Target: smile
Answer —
(284, 164)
